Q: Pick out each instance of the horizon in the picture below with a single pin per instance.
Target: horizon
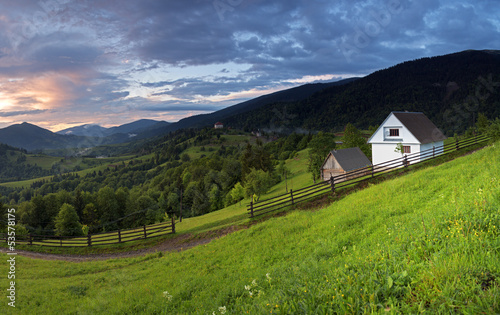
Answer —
(66, 63)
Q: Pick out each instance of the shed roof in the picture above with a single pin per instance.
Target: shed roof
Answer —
(350, 159)
(420, 126)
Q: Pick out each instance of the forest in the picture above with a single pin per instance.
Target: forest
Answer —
(151, 187)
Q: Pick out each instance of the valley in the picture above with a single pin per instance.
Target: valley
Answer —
(404, 244)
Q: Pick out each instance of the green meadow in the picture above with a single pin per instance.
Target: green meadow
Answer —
(425, 242)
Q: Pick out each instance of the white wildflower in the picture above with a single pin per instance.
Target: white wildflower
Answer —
(268, 276)
(167, 296)
(247, 287)
(222, 310)
(250, 293)
(254, 282)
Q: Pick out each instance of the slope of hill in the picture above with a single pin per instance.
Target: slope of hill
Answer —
(423, 242)
(290, 95)
(449, 89)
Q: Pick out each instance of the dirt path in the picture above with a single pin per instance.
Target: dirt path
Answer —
(180, 243)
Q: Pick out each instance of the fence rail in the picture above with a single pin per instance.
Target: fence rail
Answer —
(357, 176)
(105, 238)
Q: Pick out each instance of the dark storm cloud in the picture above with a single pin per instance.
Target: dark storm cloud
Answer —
(117, 53)
(21, 112)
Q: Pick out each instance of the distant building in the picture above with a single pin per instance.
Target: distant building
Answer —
(218, 125)
(412, 129)
(339, 162)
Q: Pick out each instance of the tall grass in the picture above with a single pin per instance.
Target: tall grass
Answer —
(426, 242)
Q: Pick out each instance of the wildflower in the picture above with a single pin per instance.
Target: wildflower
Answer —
(247, 287)
(222, 310)
(254, 282)
(268, 276)
(167, 296)
(250, 293)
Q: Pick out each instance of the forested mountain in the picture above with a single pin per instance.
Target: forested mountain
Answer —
(449, 89)
(290, 95)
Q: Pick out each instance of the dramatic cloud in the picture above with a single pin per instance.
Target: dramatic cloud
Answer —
(68, 62)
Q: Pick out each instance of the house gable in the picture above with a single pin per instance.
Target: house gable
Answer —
(392, 130)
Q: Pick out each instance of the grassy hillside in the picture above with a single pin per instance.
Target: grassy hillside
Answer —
(428, 241)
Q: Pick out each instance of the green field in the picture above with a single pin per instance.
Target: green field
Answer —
(426, 242)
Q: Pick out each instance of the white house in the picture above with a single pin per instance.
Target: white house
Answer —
(413, 130)
(218, 125)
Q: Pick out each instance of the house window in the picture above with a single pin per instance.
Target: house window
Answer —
(406, 149)
(394, 132)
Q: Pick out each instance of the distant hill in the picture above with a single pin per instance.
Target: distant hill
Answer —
(31, 137)
(88, 130)
(449, 89)
(135, 127)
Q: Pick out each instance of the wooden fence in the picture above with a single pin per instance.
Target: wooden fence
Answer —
(357, 176)
(105, 238)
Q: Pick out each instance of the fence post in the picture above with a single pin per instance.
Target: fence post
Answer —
(251, 209)
(60, 240)
(173, 225)
(405, 162)
(373, 170)
(31, 239)
(119, 236)
(456, 144)
(332, 183)
(145, 235)
(89, 239)
(291, 195)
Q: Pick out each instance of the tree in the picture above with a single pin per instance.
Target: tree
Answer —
(238, 193)
(108, 207)
(284, 172)
(353, 138)
(482, 123)
(66, 222)
(255, 158)
(79, 203)
(90, 216)
(257, 182)
(493, 130)
(3, 216)
(319, 146)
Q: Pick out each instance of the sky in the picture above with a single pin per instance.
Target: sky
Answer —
(65, 63)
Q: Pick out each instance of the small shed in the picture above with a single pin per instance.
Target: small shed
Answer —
(218, 125)
(341, 161)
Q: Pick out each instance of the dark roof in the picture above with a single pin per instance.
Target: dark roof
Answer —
(350, 159)
(420, 126)
(218, 123)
